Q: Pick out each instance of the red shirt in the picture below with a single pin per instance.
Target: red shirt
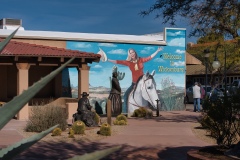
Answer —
(136, 73)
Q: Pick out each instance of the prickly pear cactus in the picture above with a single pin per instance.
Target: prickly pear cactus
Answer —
(105, 130)
(57, 132)
(78, 127)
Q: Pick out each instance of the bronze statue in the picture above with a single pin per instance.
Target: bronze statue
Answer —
(84, 112)
(115, 94)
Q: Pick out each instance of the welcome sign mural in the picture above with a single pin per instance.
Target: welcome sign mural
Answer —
(163, 67)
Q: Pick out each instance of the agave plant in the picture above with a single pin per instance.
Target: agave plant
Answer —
(16, 104)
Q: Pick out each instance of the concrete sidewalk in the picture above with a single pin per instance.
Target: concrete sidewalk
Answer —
(167, 137)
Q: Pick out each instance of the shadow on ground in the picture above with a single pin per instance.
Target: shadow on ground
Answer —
(63, 150)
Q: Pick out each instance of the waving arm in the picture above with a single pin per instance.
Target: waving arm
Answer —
(155, 53)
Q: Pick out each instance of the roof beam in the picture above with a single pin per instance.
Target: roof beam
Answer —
(39, 59)
(16, 58)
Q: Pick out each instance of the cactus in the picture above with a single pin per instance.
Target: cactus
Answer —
(57, 132)
(97, 118)
(120, 120)
(71, 133)
(142, 112)
(121, 117)
(78, 127)
(120, 75)
(105, 130)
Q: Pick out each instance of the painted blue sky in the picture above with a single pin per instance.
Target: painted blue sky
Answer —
(100, 72)
(87, 16)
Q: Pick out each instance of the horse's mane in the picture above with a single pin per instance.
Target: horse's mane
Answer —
(149, 77)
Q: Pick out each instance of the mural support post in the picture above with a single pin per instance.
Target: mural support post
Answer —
(157, 107)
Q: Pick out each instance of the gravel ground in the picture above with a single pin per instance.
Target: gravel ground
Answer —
(90, 133)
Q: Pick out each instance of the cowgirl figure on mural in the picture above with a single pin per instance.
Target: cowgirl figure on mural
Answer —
(135, 64)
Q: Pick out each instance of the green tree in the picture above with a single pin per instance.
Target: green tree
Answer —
(207, 16)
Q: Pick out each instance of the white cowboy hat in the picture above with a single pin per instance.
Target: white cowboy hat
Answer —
(103, 55)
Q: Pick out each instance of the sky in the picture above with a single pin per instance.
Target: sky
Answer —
(87, 16)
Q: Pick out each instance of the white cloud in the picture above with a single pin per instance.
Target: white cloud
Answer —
(179, 63)
(97, 66)
(118, 51)
(158, 60)
(146, 50)
(107, 44)
(180, 51)
(82, 45)
(178, 42)
(174, 34)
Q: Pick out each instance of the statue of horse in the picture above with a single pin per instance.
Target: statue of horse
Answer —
(144, 93)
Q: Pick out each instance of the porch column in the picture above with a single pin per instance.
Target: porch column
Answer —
(22, 84)
(83, 79)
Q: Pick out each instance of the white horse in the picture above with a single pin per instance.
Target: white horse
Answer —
(143, 94)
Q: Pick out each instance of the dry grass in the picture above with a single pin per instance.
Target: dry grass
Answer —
(202, 134)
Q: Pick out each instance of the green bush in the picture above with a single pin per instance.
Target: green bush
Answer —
(105, 130)
(221, 119)
(57, 132)
(78, 127)
(43, 117)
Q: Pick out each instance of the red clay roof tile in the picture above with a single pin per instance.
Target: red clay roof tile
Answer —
(15, 48)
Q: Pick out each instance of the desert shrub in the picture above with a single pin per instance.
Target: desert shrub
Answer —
(71, 133)
(142, 112)
(57, 132)
(78, 127)
(220, 118)
(105, 130)
(44, 117)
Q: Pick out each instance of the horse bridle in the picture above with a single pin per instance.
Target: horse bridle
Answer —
(146, 92)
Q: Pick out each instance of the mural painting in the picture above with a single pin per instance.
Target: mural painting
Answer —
(150, 72)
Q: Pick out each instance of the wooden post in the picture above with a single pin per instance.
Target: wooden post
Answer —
(109, 112)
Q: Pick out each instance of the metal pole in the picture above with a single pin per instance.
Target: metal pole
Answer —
(157, 107)
(206, 80)
(206, 51)
(225, 73)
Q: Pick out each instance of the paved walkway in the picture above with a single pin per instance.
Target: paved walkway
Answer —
(167, 137)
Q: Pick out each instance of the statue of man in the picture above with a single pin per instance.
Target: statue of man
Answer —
(84, 111)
